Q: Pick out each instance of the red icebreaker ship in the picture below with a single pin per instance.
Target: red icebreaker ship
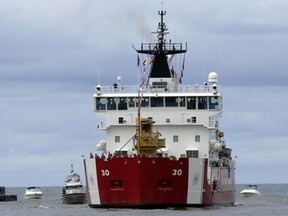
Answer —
(164, 146)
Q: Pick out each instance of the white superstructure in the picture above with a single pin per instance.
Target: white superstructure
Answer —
(187, 116)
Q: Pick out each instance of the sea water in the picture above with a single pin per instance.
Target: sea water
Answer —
(273, 201)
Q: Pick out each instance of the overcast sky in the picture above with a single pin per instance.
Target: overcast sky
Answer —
(51, 53)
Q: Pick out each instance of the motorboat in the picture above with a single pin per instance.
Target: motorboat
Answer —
(72, 192)
(33, 193)
(250, 190)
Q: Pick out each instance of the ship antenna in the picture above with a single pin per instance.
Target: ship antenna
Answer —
(72, 170)
(161, 29)
(98, 75)
(216, 58)
(204, 72)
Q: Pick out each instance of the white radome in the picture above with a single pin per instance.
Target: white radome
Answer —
(213, 77)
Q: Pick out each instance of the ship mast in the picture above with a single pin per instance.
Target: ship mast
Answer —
(161, 30)
(72, 170)
(161, 50)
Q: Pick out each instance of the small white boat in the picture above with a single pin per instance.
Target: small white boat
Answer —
(33, 193)
(72, 192)
(250, 190)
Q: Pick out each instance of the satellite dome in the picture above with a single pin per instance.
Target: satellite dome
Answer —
(213, 77)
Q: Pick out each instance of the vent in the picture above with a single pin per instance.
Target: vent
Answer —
(164, 184)
(121, 120)
(116, 184)
(193, 119)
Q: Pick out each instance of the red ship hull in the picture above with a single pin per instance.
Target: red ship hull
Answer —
(155, 183)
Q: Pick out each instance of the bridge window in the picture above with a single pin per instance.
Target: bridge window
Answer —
(131, 101)
(145, 101)
(101, 103)
(191, 102)
(213, 102)
(182, 101)
(122, 103)
(156, 101)
(202, 102)
(111, 103)
(171, 101)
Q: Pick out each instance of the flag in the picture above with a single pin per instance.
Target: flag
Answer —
(145, 62)
(135, 138)
(142, 84)
(182, 70)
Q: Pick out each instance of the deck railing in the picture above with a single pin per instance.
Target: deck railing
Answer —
(149, 89)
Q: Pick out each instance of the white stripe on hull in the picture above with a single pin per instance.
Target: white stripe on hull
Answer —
(195, 180)
(92, 181)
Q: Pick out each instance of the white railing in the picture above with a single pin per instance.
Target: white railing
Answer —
(149, 89)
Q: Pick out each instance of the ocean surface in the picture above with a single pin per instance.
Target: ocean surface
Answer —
(273, 201)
